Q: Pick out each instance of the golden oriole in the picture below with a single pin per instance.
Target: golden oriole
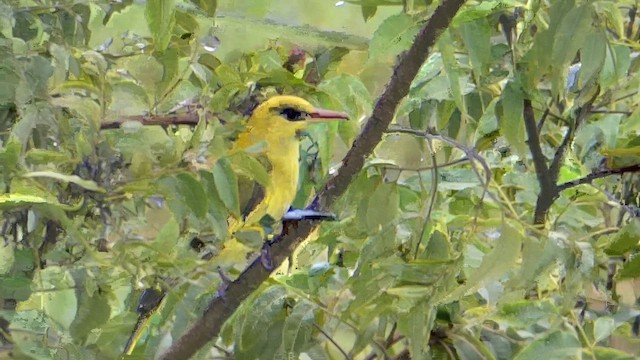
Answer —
(274, 128)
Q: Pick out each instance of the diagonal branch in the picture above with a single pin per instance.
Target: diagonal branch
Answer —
(223, 306)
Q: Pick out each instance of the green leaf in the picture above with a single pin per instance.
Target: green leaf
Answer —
(476, 36)
(383, 206)
(616, 64)
(10, 156)
(625, 240)
(298, 329)
(494, 264)
(13, 201)
(9, 78)
(593, 54)
(482, 10)
(161, 18)
(227, 185)
(540, 255)
(33, 115)
(168, 236)
(569, 37)
(147, 70)
(511, 121)
(417, 324)
(524, 313)
(614, 18)
(393, 36)
(37, 73)
(217, 209)
(259, 331)
(603, 328)
(557, 345)
(7, 257)
(43, 157)
(56, 295)
(247, 165)
(208, 6)
(452, 70)
(86, 184)
(606, 353)
(193, 194)
(368, 12)
(631, 268)
(93, 312)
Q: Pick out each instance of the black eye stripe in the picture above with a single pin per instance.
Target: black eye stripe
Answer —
(293, 114)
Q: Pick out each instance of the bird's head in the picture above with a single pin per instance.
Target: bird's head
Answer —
(288, 115)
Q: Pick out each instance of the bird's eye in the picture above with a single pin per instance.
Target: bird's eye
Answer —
(292, 114)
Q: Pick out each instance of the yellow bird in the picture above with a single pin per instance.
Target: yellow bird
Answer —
(274, 128)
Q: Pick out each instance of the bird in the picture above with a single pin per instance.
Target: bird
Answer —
(275, 127)
(272, 135)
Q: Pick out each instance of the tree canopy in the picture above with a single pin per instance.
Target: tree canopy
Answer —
(485, 189)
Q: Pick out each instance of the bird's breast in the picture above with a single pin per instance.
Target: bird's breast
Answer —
(284, 180)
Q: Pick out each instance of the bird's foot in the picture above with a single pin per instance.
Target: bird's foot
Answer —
(307, 214)
(265, 257)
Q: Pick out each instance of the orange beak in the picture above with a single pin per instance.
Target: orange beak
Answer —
(326, 115)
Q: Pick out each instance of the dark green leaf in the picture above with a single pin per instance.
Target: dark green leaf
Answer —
(368, 12)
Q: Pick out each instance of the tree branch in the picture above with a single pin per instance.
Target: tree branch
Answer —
(223, 306)
(548, 192)
(597, 175)
(165, 120)
(559, 156)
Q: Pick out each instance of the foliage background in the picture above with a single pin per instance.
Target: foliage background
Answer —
(428, 258)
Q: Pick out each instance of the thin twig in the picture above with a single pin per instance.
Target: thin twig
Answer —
(432, 197)
(158, 120)
(628, 113)
(469, 152)
(423, 168)
(544, 116)
(344, 353)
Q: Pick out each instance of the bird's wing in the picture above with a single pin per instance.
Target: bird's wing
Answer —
(252, 194)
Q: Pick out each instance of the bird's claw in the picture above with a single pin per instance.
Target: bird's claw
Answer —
(307, 214)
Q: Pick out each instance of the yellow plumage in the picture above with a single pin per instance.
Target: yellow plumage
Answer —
(274, 127)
